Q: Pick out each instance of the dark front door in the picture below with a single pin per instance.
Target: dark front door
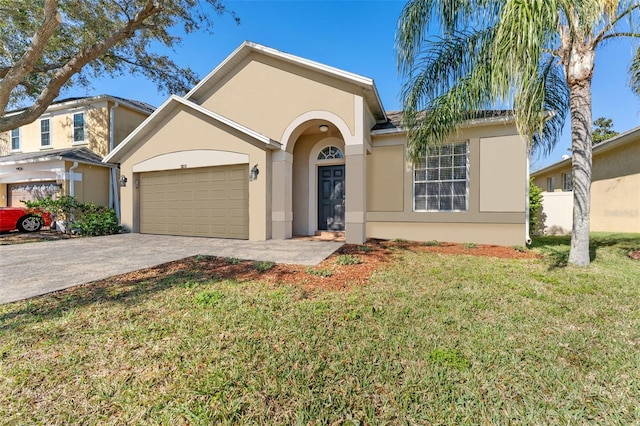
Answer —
(331, 198)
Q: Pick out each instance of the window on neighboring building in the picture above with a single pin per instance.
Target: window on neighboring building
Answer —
(78, 127)
(550, 184)
(330, 153)
(441, 180)
(45, 133)
(567, 183)
(15, 139)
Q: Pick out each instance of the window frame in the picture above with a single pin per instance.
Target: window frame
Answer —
(334, 153)
(48, 133)
(83, 140)
(17, 136)
(550, 184)
(423, 167)
(567, 183)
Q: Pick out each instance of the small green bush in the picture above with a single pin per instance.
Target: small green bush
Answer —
(319, 272)
(536, 215)
(521, 249)
(470, 245)
(432, 243)
(348, 259)
(263, 265)
(97, 221)
(232, 260)
(365, 249)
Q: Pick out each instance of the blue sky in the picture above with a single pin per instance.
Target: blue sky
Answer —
(357, 36)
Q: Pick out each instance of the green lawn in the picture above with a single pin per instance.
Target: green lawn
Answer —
(432, 339)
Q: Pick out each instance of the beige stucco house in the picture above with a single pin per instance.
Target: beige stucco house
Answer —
(61, 153)
(615, 188)
(271, 145)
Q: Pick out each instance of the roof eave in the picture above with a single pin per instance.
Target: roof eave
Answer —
(141, 130)
(366, 83)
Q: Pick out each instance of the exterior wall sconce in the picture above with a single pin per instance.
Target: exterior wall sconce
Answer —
(253, 174)
(323, 128)
(123, 181)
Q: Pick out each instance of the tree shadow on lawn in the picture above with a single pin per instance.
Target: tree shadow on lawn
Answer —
(124, 289)
(556, 248)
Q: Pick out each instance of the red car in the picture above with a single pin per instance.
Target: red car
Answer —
(23, 219)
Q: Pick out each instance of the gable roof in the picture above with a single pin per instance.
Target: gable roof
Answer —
(630, 136)
(163, 112)
(371, 94)
(81, 155)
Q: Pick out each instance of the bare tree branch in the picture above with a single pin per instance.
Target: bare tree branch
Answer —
(74, 65)
(25, 64)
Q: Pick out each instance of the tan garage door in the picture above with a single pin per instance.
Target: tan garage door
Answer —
(203, 202)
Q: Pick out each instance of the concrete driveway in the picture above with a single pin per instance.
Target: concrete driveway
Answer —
(28, 270)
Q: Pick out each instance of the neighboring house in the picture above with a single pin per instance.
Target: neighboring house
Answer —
(615, 188)
(61, 153)
(270, 145)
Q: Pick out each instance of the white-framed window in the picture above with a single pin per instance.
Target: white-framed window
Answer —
(550, 186)
(15, 139)
(78, 127)
(330, 153)
(567, 182)
(441, 179)
(45, 133)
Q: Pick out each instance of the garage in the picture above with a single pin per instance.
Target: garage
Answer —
(31, 192)
(203, 202)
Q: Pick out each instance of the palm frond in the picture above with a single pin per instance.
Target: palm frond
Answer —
(634, 71)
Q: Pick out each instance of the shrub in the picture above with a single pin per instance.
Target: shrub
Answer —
(325, 273)
(348, 259)
(536, 215)
(83, 218)
(100, 221)
(470, 245)
(432, 243)
(263, 265)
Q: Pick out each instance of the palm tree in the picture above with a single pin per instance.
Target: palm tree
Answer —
(535, 57)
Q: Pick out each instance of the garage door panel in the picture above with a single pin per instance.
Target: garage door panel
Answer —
(208, 202)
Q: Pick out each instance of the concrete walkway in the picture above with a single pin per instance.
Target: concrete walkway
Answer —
(28, 270)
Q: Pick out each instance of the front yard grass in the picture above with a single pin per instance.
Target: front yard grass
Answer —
(432, 339)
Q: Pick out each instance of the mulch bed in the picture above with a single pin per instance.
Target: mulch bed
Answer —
(372, 255)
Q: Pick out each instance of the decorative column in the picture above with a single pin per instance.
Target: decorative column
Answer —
(281, 195)
(356, 205)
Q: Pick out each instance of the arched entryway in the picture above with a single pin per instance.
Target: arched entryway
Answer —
(312, 176)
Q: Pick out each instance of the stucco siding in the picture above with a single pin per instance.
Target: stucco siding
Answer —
(480, 233)
(385, 179)
(615, 188)
(126, 120)
(615, 204)
(500, 157)
(488, 219)
(266, 95)
(94, 186)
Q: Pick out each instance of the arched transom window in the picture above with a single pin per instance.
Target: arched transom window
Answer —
(330, 153)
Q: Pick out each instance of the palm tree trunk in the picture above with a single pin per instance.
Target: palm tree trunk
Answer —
(581, 123)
